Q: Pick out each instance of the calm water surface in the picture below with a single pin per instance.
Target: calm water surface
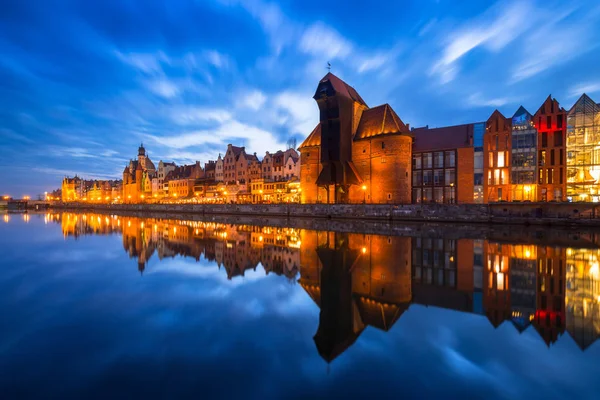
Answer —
(101, 306)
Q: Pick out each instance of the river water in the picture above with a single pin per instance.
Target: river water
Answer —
(107, 306)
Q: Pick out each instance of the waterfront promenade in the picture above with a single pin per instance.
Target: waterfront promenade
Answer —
(552, 214)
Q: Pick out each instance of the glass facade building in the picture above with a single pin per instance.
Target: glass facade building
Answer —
(583, 151)
(523, 160)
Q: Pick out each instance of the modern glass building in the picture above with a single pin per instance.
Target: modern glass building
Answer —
(523, 160)
(583, 151)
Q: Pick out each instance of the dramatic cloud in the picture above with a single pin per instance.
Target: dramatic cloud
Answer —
(190, 77)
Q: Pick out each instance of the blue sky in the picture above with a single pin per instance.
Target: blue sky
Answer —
(82, 83)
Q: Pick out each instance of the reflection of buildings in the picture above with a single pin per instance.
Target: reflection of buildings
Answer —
(360, 280)
(236, 248)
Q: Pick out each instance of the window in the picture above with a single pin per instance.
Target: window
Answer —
(382, 145)
(558, 139)
(542, 160)
(438, 195)
(491, 160)
(559, 121)
(417, 178)
(416, 196)
(540, 122)
(550, 176)
(548, 122)
(501, 159)
(450, 177)
(438, 177)
(438, 159)
(416, 161)
(389, 196)
(450, 159)
(544, 139)
(541, 176)
(560, 178)
(497, 176)
(490, 182)
(505, 142)
(552, 157)
(427, 195)
(478, 179)
(496, 136)
(427, 160)
(449, 195)
(478, 160)
(427, 178)
(383, 160)
(503, 178)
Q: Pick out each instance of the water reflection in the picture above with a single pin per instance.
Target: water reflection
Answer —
(360, 280)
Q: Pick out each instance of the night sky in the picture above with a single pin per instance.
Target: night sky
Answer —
(82, 83)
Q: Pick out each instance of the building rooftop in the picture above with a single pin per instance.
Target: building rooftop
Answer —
(380, 120)
(444, 138)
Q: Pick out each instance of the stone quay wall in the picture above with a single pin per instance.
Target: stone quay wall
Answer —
(559, 214)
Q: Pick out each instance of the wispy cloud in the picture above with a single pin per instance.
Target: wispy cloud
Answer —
(320, 40)
(497, 27)
(254, 100)
(255, 139)
(192, 115)
(301, 111)
(149, 63)
(588, 88)
(555, 42)
(478, 100)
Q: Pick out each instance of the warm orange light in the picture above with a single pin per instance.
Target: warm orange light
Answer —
(155, 195)
(364, 250)
(129, 196)
(197, 194)
(364, 187)
(26, 197)
(142, 196)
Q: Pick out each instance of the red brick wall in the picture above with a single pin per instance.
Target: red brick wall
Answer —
(384, 163)
(465, 165)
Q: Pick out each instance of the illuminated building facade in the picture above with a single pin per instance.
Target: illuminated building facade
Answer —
(523, 156)
(583, 150)
(496, 161)
(550, 122)
(356, 154)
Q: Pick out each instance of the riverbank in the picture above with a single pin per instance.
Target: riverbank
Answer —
(550, 214)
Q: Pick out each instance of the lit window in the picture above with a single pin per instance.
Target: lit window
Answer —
(491, 160)
(496, 175)
(501, 159)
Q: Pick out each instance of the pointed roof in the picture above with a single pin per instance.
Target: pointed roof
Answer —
(380, 120)
(379, 315)
(126, 170)
(314, 139)
(584, 105)
(341, 87)
(521, 111)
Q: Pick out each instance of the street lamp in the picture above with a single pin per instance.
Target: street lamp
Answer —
(364, 189)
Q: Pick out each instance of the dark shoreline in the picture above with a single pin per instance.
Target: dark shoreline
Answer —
(541, 214)
(563, 236)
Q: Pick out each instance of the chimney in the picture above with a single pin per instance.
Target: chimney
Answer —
(408, 126)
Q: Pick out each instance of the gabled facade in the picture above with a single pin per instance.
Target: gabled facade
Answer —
(496, 160)
(551, 123)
